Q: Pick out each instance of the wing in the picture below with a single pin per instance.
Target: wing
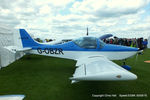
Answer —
(99, 68)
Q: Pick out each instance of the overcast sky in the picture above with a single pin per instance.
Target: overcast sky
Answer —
(62, 18)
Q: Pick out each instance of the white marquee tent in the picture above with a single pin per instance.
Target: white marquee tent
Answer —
(148, 42)
(6, 39)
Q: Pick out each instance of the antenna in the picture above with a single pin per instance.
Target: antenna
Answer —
(87, 32)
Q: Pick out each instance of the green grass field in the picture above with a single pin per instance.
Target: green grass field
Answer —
(47, 78)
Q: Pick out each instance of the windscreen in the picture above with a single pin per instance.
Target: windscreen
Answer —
(86, 42)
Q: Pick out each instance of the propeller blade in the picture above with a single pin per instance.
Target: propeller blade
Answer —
(140, 52)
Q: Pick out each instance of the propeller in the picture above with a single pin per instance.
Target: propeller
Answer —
(140, 52)
(136, 58)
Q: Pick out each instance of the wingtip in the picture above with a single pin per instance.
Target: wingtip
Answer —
(134, 77)
(74, 81)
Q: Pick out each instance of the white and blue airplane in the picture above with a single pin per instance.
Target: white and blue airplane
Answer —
(93, 56)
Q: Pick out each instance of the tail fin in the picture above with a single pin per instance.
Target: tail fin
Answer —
(23, 39)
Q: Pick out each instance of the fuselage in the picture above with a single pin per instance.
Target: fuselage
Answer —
(71, 50)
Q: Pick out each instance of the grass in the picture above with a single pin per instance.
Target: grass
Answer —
(47, 78)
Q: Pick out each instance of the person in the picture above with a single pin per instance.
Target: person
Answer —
(126, 42)
(139, 43)
(115, 40)
(111, 41)
(145, 43)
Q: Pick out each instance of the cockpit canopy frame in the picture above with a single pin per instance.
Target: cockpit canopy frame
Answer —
(89, 42)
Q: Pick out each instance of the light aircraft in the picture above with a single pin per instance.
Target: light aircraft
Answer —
(93, 56)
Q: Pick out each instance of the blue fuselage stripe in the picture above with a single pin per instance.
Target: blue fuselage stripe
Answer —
(70, 46)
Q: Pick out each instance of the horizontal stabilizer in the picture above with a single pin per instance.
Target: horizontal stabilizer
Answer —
(15, 49)
(23, 49)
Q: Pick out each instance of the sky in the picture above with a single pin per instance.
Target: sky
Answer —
(70, 18)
